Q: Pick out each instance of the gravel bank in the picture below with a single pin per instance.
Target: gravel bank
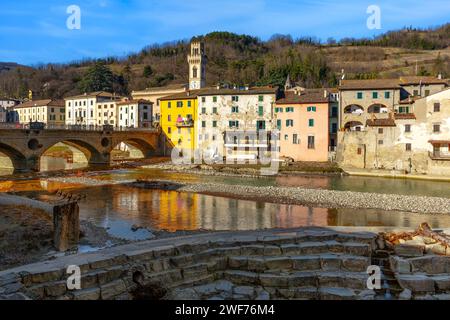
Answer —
(323, 198)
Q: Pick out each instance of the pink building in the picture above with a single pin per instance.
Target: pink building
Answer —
(302, 117)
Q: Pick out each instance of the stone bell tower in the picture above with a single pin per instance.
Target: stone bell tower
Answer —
(197, 65)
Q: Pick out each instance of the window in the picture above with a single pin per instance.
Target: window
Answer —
(407, 128)
(235, 98)
(286, 137)
(437, 107)
(289, 123)
(215, 110)
(290, 109)
(380, 130)
(359, 151)
(203, 110)
(261, 125)
(359, 95)
(203, 99)
(374, 95)
(169, 130)
(334, 112)
(214, 99)
(408, 147)
(169, 118)
(278, 110)
(403, 109)
(333, 127)
(179, 104)
(436, 128)
(427, 93)
(380, 142)
(260, 111)
(261, 98)
(279, 124)
(387, 94)
(145, 116)
(311, 142)
(169, 104)
(311, 122)
(92, 113)
(214, 124)
(295, 139)
(52, 109)
(189, 104)
(233, 124)
(234, 109)
(311, 109)
(416, 92)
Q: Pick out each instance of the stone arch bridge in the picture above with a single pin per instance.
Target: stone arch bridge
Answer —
(26, 146)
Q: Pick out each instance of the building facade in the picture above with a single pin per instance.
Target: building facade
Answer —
(135, 114)
(7, 113)
(46, 111)
(235, 123)
(415, 142)
(303, 120)
(178, 116)
(82, 109)
(154, 94)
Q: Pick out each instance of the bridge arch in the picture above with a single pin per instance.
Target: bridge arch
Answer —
(18, 159)
(92, 153)
(147, 149)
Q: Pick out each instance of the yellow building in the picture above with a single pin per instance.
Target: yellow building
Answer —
(178, 116)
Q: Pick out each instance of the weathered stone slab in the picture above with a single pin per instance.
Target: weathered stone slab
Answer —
(278, 263)
(306, 263)
(442, 281)
(416, 282)
(112, 289)
(256, 264)
(357, 249)
(86, 294)
(55, 289)
(330, 262)
(336, 294)
(307, 293)
(313, 247)
(241, 277)
(399, 265)
(273, 280)
(408, 250)
(355, 263)
(237, 262)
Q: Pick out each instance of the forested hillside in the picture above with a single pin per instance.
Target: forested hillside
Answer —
(242, 59)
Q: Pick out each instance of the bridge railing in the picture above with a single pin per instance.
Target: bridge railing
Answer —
(76, 127)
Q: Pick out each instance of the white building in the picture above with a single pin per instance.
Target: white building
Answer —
(135, 114)
(81, 109)
(6, 110)
(229, 121)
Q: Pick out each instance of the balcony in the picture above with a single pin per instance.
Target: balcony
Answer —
(437, 155)
(185, 123)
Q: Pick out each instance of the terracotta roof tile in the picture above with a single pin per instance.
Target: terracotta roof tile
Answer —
(306, 96)
(369, 84)
(406, 80)
(381, 123)
(404, 116)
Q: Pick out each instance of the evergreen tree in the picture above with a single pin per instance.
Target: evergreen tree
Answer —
(97, 78)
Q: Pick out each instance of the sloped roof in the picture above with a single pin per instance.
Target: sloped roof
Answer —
(133, 101)
(408, 80)
(91, 95)
(369, 84)
(305, 96)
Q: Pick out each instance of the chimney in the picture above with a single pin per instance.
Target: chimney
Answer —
(440, 76)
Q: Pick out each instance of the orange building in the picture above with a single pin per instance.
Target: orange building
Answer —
(302, 118)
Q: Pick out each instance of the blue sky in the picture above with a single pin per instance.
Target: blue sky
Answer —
(34, 31)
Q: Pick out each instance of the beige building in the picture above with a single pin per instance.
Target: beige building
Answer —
(415, 142)
(82, 109)
(46, 111)
(362, 100)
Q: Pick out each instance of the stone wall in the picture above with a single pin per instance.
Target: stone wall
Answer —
(313, 263)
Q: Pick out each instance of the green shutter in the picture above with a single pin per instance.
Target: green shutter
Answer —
(261, 111)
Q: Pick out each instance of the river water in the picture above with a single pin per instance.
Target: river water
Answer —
(118, 207)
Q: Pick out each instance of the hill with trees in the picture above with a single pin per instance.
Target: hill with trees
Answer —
(242, 60)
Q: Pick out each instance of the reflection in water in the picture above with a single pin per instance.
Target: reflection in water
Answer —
(118, 208)
(53, 164)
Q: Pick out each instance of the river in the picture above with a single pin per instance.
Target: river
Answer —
(118, 208)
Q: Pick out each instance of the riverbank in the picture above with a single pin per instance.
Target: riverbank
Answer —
(27, 233)
(393, 174)
(250, 170)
